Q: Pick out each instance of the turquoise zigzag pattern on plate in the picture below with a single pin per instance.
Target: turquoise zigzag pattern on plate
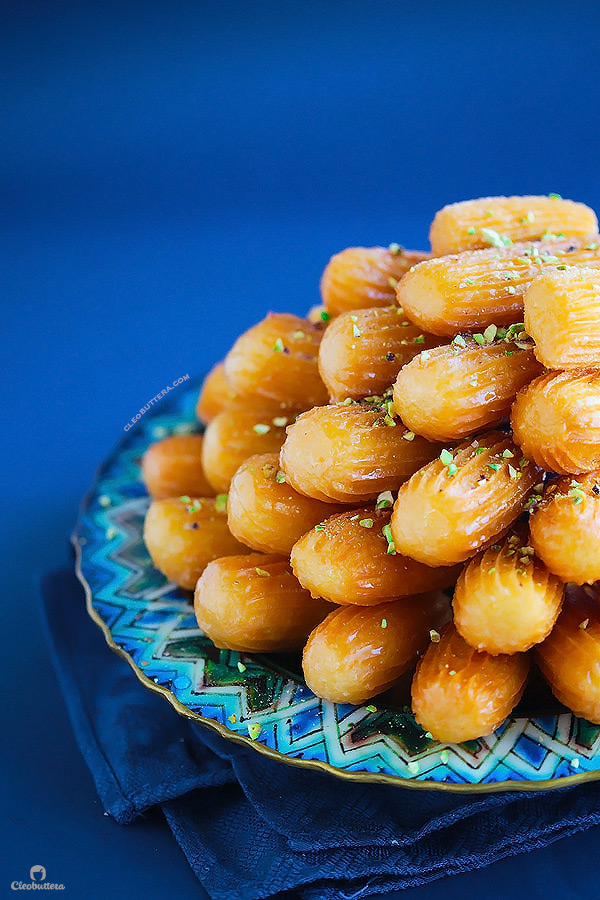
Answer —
(152, 621)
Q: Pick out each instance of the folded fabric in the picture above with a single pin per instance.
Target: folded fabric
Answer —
(252, 827)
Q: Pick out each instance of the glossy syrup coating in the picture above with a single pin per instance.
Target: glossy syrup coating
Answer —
(215, 394)
(174, 466)
(461, 501)
(265, 512)
(467, 225)
(562, 315)
(351, 453)
(254, 604)
(358, 652)
(350, 559)
(506, 600)
(363, 351)
(570, 657)
(565, 528)
(460, 694)
(234, 435)
(448, 393)
(183, 534)
(556, 421)
(470, 291)
(277, 359)
(362, 277)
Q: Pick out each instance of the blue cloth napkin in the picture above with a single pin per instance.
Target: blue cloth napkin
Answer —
(251, 827)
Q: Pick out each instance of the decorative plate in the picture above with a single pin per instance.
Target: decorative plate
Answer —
(263, 700)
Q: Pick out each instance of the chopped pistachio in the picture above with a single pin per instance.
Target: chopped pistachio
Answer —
(366, 523)
(490, 333)
(494, 239)
(261, 428)
(384, 500)
(446, 457)
(387, 533)
(254, 729)
(221, 503)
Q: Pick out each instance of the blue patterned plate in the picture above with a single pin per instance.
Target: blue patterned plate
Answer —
(263, 701)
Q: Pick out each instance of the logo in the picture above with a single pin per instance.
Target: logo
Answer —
(38, 882)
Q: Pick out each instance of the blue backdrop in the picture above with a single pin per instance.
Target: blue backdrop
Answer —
(169, 172)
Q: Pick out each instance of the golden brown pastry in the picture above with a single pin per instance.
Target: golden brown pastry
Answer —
(556, 421)
(460, 694)
(254, 604)
(565, 528)
(350, 559)
(357, 652)
(448, 393)
(361, 277)
(462, 500)
(265, 512)
(183, 534)
(506, 600)
(351, 453)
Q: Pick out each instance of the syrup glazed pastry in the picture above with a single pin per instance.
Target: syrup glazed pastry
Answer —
(460, 694)
(254, 604)
(471, 224)
(184, 534)
(351, 453)
(562, 315)
(350, 559)
(565, 528)
(362, 277)
(470, 291)
(556, 421)
(174, 466)
(451, 392)
(265, 512)
(506, 600)
(234, 435)
(570, 657)
(357, 652)
(278, 360)
(463, 500)
(314, 481)
(215, 395)
(363, 351)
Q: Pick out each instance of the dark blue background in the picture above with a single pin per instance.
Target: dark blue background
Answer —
(169, 172)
